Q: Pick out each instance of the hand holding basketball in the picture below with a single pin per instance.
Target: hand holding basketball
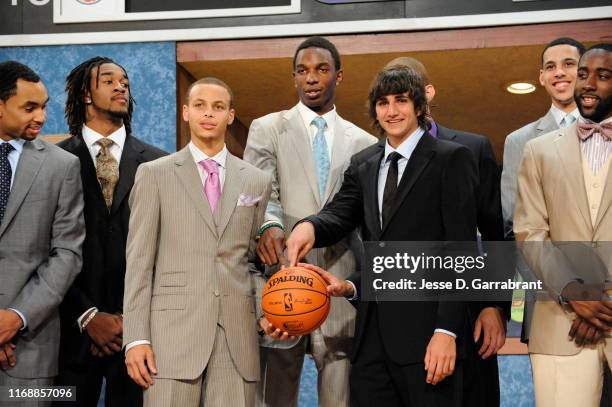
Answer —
(273, 332)
(335, 286)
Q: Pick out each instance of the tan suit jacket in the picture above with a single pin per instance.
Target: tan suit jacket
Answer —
(188, 270)
(552, 205)
(279, 144)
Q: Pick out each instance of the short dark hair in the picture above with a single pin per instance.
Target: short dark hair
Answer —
(78, 83)
(603, 46)
(395, 80)
(211, 81)
(564, 41)
(319, 42)
(10, 73)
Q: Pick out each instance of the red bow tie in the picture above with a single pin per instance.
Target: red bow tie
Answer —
(586, 130)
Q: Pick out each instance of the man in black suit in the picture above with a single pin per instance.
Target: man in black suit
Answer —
(487, 320)
(408, 187)
(99, 110)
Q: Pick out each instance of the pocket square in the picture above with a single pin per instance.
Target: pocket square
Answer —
(248, 200)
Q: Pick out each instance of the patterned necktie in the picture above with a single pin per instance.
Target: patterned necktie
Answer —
(212, 186)
(321, 154)
(586, 130)
(107, 170)
(5, 177)
(567, 121)
(390, 186)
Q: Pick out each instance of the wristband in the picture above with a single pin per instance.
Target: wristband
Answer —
(268, 226)
(91, 316)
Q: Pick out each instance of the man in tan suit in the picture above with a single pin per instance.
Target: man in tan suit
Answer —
(189, 310)
(565, 195)
(307, 149)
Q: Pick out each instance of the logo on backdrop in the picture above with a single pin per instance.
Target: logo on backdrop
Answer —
(88, 2)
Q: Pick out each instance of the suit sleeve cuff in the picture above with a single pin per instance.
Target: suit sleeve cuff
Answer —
(136, 343)
(355, 294)
(80, 319)
(23, 319)
(444, 331)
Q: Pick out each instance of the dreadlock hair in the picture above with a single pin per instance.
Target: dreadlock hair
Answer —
(78, 84)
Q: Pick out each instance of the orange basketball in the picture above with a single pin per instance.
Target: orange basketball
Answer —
(295, 300)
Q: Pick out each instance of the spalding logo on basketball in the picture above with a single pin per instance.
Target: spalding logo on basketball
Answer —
(295, 300)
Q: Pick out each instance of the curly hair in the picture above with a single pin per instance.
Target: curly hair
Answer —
(396, 80)
(78, 84)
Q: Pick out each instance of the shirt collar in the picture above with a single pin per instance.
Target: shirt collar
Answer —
(198, 155)
(407, 147)
(559, 114)
(91, 136)
(16, 143)
(308, 115)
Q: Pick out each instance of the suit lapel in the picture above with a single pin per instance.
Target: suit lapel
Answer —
(568, 149)
(546, 124)
(422, 155)
(303, 150)
(445, 134)
(341, 152)
(189, 177)
(30, 161)
(130, 160)
(371, 170)
(234, 181)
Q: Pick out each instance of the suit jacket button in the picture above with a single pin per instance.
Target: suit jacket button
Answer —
(216, 293)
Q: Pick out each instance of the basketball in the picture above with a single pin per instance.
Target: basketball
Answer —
(295, 300)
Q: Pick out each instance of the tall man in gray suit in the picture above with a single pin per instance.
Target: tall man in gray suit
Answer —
(41, 232)
(306, 150)
(558, 77)
(189, 310)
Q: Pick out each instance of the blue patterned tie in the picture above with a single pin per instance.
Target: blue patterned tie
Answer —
(567, 120)
(321, 155)
(5, 177)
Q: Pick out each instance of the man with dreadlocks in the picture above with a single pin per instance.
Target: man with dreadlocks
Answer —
(98, 110)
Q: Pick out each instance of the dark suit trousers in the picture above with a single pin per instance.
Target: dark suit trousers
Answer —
(375, 380)
(121, 391)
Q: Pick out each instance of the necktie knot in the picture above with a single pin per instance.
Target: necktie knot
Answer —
(394, 157)
(105, 143)
(210, 166)
(319, 122)
(586, 130)
(5, 149)
(568, 120)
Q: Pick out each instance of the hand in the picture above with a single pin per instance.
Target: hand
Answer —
(271, 245)
(273, 332)
(95, 351)
(106, 331)
(300, 242)
(584, 333)
(335, 286)
(440, 357)
(490, 324)
(7, 357)
(140, 362)
(596, 313)
(10, 324)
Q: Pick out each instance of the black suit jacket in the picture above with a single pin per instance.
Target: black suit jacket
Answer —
(435, 201)
(488, 198)
(100, 283)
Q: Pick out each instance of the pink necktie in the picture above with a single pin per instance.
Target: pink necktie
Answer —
(212, 186)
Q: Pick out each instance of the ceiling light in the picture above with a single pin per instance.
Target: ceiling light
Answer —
(521, 88)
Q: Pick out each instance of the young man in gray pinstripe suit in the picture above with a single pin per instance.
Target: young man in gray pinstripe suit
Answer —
(189, 311)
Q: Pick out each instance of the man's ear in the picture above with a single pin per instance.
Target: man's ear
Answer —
(339, 76)
(541, 77)
(232, 115)
(185, 113)
(430, 92)
(87, 98)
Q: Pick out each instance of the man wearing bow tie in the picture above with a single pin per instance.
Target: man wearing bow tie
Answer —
(565, 194)
(189, 311)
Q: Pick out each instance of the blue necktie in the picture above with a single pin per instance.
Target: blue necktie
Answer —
(6, 174)
(567, 120)
(321, 155)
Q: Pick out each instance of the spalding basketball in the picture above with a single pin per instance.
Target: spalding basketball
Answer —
(295, 300)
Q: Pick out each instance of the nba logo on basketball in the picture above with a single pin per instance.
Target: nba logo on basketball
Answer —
(288, 301)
